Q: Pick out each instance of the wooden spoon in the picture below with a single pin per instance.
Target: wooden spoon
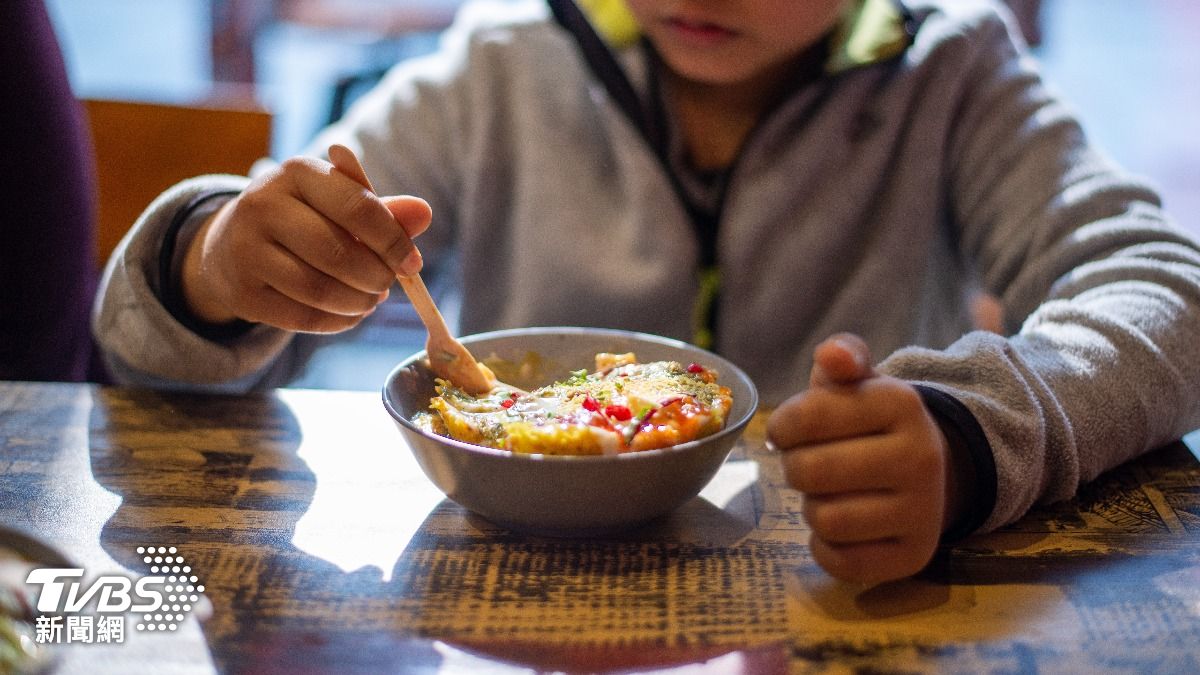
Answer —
(448, 358)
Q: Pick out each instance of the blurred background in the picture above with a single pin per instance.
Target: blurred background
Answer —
(1131, 67)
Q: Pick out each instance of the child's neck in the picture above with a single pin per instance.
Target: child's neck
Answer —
(716, 119)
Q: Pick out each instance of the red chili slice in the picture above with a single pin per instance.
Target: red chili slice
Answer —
(591, 404)
(618, 412)
(507, 403)
(695, 368)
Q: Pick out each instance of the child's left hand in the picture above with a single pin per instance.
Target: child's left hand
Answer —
(871, 462)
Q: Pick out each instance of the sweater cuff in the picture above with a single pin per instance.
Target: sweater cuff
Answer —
(176, 239)
(965, 435)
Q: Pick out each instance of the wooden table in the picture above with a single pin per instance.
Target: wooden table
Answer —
(322, 548)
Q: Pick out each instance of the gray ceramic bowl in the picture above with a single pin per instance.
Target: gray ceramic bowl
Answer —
(565, 495)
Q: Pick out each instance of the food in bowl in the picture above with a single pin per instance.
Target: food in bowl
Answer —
(622, 406)
(565, 495)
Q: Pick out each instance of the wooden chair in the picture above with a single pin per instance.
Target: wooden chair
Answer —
(143, 148)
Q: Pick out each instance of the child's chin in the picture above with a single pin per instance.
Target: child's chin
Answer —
(714, 71)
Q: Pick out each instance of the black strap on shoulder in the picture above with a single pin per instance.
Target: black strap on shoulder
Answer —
(606, 68)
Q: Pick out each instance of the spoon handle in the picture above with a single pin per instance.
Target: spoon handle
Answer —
(422, 301)
(447, 356)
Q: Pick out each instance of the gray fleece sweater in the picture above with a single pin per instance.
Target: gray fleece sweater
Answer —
(869, 201)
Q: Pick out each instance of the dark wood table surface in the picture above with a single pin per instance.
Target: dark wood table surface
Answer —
(322, 548)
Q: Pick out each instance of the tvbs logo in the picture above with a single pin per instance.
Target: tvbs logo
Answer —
(162, 598)
(62, 592)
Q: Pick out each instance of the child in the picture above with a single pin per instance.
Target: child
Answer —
(753, 175)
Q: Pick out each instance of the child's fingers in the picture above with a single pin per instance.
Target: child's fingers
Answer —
(272, 307)
(873, 561)
(824, 414)
(306, 284)
(350, 204)
(413, 213)
(328, 247)
(852, 465)
(857, 518)
(843, 358)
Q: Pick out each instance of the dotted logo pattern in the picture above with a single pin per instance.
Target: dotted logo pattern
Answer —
(181, 592)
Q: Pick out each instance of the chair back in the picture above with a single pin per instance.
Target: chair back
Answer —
(143, 148)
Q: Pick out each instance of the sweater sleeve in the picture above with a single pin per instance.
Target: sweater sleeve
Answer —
(144, 343)
(1101, 292)
(407, 132)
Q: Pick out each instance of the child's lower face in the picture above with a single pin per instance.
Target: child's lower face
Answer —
(733, 42)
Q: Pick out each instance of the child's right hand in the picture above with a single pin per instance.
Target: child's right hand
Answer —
(303, 248)
(872, 463)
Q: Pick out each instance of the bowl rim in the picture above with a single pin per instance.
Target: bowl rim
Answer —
(22, 540)
(732, 427)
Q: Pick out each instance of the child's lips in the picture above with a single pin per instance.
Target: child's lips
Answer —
(698, 32)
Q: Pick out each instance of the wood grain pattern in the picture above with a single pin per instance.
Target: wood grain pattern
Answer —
(323, 549)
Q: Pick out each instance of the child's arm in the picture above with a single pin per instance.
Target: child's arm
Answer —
(302, 248)
(407, 133)
(879, 483)
(1098, 362)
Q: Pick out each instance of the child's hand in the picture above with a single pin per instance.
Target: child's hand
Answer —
(304, 248)
(871, 463)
